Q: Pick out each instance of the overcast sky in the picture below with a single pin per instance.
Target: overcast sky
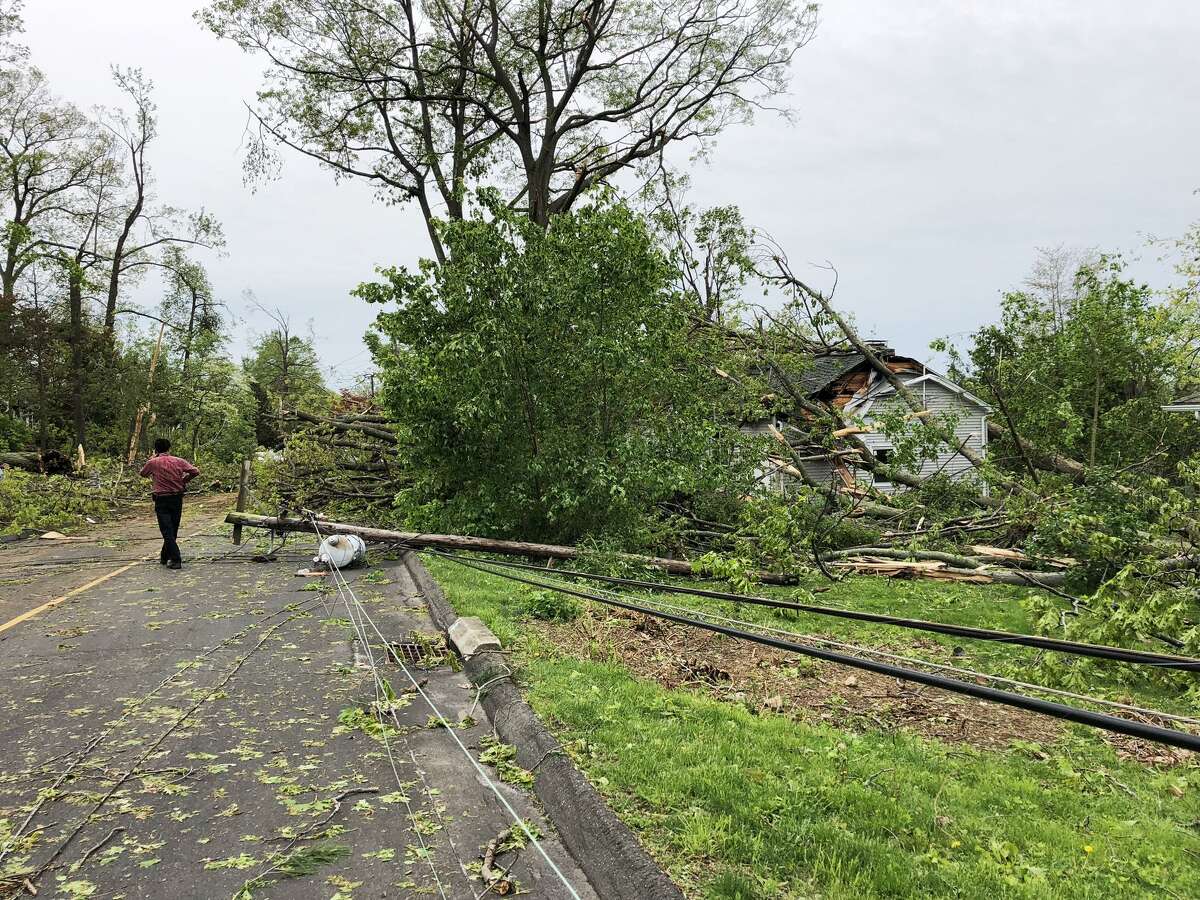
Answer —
(934, 147)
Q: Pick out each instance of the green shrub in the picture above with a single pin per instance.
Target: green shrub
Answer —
(14, 434)
(44, 502)
(550, 606)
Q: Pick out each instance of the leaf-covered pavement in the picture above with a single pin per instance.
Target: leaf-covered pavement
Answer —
(210, 733)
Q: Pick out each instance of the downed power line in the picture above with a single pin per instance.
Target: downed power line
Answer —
(1092, 719)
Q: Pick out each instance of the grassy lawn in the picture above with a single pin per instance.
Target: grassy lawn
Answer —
(738, 803)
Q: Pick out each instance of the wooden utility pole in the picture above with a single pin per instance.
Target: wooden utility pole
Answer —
(243, 495)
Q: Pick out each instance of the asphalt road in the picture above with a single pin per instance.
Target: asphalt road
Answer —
(208, 733)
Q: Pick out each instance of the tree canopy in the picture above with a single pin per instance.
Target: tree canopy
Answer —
(541, 100)
(549, 382)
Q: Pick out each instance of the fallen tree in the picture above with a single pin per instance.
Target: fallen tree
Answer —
(52, 462)
(1038, 459)
(365, 424)
(941, 570)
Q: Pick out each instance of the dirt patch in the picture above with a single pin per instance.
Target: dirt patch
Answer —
(773, 681)
(1148, 753)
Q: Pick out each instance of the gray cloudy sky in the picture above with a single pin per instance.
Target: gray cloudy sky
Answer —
(935, 145)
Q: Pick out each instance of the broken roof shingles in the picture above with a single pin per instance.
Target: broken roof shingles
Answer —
(824, 370)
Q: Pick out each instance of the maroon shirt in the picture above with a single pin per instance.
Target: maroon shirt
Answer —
(169, 474)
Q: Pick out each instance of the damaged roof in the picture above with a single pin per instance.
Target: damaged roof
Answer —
(825, 370)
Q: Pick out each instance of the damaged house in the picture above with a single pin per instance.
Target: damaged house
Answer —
(848, 382)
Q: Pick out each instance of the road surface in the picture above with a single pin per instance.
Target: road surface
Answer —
(209, 732)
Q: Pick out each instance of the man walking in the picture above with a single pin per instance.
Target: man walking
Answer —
(169, 477)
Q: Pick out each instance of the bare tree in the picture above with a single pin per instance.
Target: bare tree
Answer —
(162, 227)
(1054, 278)
(48, 154)
(427, 100)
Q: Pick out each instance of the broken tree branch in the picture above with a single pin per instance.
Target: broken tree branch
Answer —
(376, 431)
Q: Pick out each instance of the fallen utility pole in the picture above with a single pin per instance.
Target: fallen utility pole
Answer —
(418, 540)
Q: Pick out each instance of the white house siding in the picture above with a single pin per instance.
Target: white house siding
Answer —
(770, 476)
(970, 429)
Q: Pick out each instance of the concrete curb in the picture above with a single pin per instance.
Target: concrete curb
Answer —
(609, 854)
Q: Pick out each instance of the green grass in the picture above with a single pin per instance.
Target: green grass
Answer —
(739, 805)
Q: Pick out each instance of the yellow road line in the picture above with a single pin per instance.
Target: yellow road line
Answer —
(49, 604)
(12, 623)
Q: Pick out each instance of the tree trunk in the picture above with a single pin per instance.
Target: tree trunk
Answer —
(1045, 460)
(78, 356)
(51, 462)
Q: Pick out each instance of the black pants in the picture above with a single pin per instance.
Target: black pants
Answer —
(168, 509)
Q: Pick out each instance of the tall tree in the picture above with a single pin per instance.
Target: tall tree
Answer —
(162, 227)
(549, 382)
(542, 99)
(84, 220)
(48, 153)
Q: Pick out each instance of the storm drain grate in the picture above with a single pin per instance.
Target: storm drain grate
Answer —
(419, 653)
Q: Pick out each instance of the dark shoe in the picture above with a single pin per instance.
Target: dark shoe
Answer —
(174, 564)
(161, 561)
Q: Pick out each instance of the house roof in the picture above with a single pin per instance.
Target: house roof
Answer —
(853, 383)
(1185, 403)
(825, 370)
(881, 388)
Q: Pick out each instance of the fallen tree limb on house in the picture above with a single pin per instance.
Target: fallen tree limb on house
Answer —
(1039, 459)
(857, 506)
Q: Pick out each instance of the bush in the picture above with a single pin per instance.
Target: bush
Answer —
(14, 434)
(45, 502)
(550, 606)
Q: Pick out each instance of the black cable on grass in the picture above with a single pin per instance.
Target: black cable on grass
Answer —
(1099, 651)
(1008, 698)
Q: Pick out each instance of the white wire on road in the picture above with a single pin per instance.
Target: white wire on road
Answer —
(382, 702)
(516, 817)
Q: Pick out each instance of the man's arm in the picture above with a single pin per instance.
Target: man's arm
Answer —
(146, 469)
(189, 471)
